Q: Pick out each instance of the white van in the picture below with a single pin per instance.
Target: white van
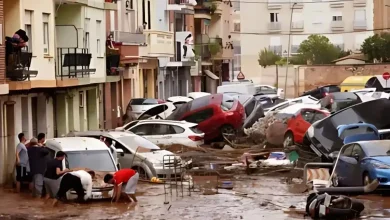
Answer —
(90, 153)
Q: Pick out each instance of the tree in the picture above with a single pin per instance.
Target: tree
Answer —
(317, 49)
(268, 58)
(377, 47)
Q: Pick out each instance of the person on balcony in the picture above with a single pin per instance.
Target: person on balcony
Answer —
(15, 44)
(188, 41)
(110, 42)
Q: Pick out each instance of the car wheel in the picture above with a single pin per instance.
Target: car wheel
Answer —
(228, 132)
(142, 174)
(288, 139)
(366, 179)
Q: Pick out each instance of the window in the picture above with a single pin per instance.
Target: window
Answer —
(45, 19)
(337, 18)
(98, 42)
(360, 15)
(98, 160)
(86, 30)
(145, 129)
(274, 17)
(237, 26)
(177, 129)
(348, 151)
(357, 151)
(28, 20)
(200, 116)
(318, 18)
(307, 115)
(318, 116)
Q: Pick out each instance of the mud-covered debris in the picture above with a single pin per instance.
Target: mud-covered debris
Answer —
(269, 129)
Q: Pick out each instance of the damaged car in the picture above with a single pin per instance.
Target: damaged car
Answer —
(322, 136)
(86, 153)
(215, 114)
(160, 111)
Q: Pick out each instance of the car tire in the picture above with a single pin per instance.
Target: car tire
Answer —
(228, 129)
(288, 139)
(366, 179)
(142, 173)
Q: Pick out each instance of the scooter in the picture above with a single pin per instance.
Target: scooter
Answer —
(325, 206)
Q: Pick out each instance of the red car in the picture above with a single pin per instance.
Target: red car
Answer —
(214, 114)
(298, 124)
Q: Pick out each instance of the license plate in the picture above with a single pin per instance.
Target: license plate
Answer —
(97, 196)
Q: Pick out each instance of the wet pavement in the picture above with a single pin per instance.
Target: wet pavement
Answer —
(266, 198)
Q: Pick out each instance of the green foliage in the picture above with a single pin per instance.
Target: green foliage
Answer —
(317, 49)
(267, 58)
(377, 47)
(214, 48)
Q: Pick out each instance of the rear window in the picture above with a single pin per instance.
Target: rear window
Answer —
(196, 130)
(136, 101)
(331, 89)
(150, 102)
(227, 102)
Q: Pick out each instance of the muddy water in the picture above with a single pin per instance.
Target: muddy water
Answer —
(264, 198)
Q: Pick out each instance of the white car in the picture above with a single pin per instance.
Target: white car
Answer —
(137, 106)
(160, 111)
(195, 95)
(166, 132)
(90, 153)
(140, 154)
(304, 99)
(267, 90)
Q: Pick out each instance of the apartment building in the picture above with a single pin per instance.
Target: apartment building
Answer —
(236, 27)
(56, 82)
(213, 43)
(267, 25)
(381, 16)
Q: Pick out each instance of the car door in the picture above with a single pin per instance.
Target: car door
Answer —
(126, 158)
(344, 165)
(162, 134)
(302, 123)
(147, 131)
(357, 169)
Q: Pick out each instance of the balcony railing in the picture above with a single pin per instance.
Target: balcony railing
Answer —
(73, 63)
(112, 62)
(159, 42)
(18, 63)
(360, 25)
(337, 25)
(110, 4)
(274, 26)
(129, 38)
(276, 49)
(202, 48)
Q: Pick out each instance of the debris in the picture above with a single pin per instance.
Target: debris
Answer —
(227, 148)
(268, 129)
(277, 155)
(274, 162)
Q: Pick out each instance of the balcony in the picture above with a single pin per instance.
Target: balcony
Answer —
(18, 64)
(276, 49)
(220, 51)
(336, 4)
(274, 27)
(359, 3)
(110, 5)
(202, 48)
(112, 62)
(217, 7)
(159, 43)
(297, 26)
(129, 38)
(182, 6)
(73, 63)
(337, 25)
(204, 9)
(360, 25)
(79, 2)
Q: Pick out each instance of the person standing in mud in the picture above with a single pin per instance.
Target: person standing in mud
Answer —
(22, 162)
(78, 181)
(37, 158)
(125, 182)
(53, 173)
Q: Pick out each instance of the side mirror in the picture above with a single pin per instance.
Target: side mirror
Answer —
(334, 155)
(356, 156)
(120, 152)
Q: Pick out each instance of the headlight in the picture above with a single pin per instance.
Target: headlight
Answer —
(380, 165)
(310, 131)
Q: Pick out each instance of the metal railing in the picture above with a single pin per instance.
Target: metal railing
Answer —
(18, 63)
(274, 26)
(112, 64)
(73, 63)
(128, 37)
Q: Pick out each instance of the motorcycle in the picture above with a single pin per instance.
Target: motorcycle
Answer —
(332, 207)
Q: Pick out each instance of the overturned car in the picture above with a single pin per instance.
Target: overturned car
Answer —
(323, 138)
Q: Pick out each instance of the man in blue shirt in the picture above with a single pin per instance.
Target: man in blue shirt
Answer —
(22, 162)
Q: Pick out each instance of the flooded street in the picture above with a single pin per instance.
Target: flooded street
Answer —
(259, 198)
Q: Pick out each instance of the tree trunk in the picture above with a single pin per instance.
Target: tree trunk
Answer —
(277, 77)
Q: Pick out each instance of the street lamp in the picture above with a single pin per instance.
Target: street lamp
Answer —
(288, 50)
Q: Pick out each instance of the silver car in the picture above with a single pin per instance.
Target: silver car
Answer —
(140, 154)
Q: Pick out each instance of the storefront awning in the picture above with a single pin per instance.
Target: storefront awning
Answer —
(211, 75)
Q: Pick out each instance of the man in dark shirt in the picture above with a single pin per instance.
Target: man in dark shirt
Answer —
(53, 173)
(36, 155)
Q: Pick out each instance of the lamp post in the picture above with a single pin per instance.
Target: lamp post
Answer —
(288, 50)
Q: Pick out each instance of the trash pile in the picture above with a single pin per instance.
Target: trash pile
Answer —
(269, 129)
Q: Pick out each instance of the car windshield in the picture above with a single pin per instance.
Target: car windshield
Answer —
(139, 144)
(97, 160)
(136, 101)
(379, 149)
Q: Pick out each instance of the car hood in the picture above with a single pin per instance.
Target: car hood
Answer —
(157, 156)
(382, 159)
(325, 135)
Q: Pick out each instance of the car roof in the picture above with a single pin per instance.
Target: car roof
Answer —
(157, 121)
(111, 133)
(298, 106)
(366, 144)
(75, 144)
